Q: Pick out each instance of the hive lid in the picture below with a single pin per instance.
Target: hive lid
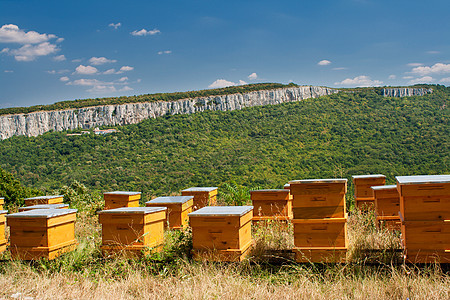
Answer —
(170, 200)
(328, 180)
(133, 210)
(42, 213)
(271, 191)
(44, 206)
(45, 197)
(2, 198)
(221, 211)
(200, 189)
(423, 179)
(127, 193)
(368, 176)
(383, 187)
(3, 212)
(287, 185)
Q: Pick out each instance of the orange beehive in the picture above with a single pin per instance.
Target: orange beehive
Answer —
(203, 196)
(387, 206)
(121, 199)
(132, 230)
(2, 202)
(271, 204)
(364, 197)
(222, 233)
(328, 232)
(44, 206)
(42, 233)
(178, 208)
(2, 230)
(44, 200)
(425, 215)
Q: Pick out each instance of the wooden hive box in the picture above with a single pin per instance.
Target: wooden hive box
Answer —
(121, 199)
(203, 196)
(325, 233)
(271, 205)
(318, 198)
(2, 203)
(42, 233)
(132, 231)
(44, 206)
(364, 196)
(2, 230)
(178, 208)
(387, 206)
(44, 200)
(222, 233)
(287, 186)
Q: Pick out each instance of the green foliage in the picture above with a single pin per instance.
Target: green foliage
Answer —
(78, 196)
(13, 191)
(235, 194)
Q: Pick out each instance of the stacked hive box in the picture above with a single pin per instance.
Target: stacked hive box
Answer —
(121, 199)
(44, 206)
(271, 205)
(178, 208)
(364, 197)
(387, 206)
(132, 230)
(2, 230)
(222, 233)
(42, 233)
(44, 200)
(425, 215)
(320, 220)
(203, 196)
(2, 202)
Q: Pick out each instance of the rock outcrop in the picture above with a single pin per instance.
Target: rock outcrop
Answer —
(405, 92)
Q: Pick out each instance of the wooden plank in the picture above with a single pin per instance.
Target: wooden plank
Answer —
(270, 195)
(272, 208)
(318, 200)
(320, 234)
(229, 255)
(221, 237)
(319, 212)
(417, 208)
(426, 235)
(437, 189)
(387, 206)
(317, 188)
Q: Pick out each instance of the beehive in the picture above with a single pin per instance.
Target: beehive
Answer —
(425, 215)
(132, 231)
(44, 200)
(314, 233)
(287, 186)
(44, 206)
(271, 205)
(178, 208)
(2, 230)
(387, 206)
(222, 233)
(364, 197)
(42, 233)
(203, 196)
(121, 199)
(2, 202)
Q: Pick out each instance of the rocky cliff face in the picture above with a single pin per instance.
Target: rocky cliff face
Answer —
(406, 92)
(37, 123)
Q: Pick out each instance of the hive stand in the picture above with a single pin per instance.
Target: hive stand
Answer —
(132, 231)
(271, 205)
(2, 230)
(44, 206)
(121, 199)
(2, 203)
(364, 198)
(425, 215)
(387, 206)
(44, 200)
(221, 233)
(178, 208)
(203, 196)
(320, 220)
(42, 233)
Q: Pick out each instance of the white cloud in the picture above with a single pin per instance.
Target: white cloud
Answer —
(59, 58)
(339, 68)
(117, 25)
(123, 79)
(98, 86)
(438, 68)
(433, 52)
(144, 32)
(407, 77)
(242, 82)
(96, 61)
(443, 80)
(125, 69)
(253, 76)
(221, 83)
(165, 52)
(10, 33)
(414, 64)
(425, 79)
(77, 60)
(86, 70)
(362, 81)
(392, 76)
(58, 72)
(110, 71)
(29, 52)
(324, 62)
(8, 71)
(98, 89)
(64, 79)
(125, 89)
(59, 40)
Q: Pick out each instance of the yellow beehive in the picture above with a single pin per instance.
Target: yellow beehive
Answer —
(387, 206)
(121, 199)
(2, 203)
(44, 200)
(132, 231)
(222, 233)
(271, 204)
(364, 197)
(203, 196)
(42, 233)
(425, 215)
(2, 230)
(328, 232)
(44, 206)
(178, 208)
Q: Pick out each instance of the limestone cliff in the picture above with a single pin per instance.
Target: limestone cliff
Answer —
(405, 92)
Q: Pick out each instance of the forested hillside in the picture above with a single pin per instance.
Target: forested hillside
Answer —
(358, 132)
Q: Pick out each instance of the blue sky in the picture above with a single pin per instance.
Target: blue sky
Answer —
(64, 50)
